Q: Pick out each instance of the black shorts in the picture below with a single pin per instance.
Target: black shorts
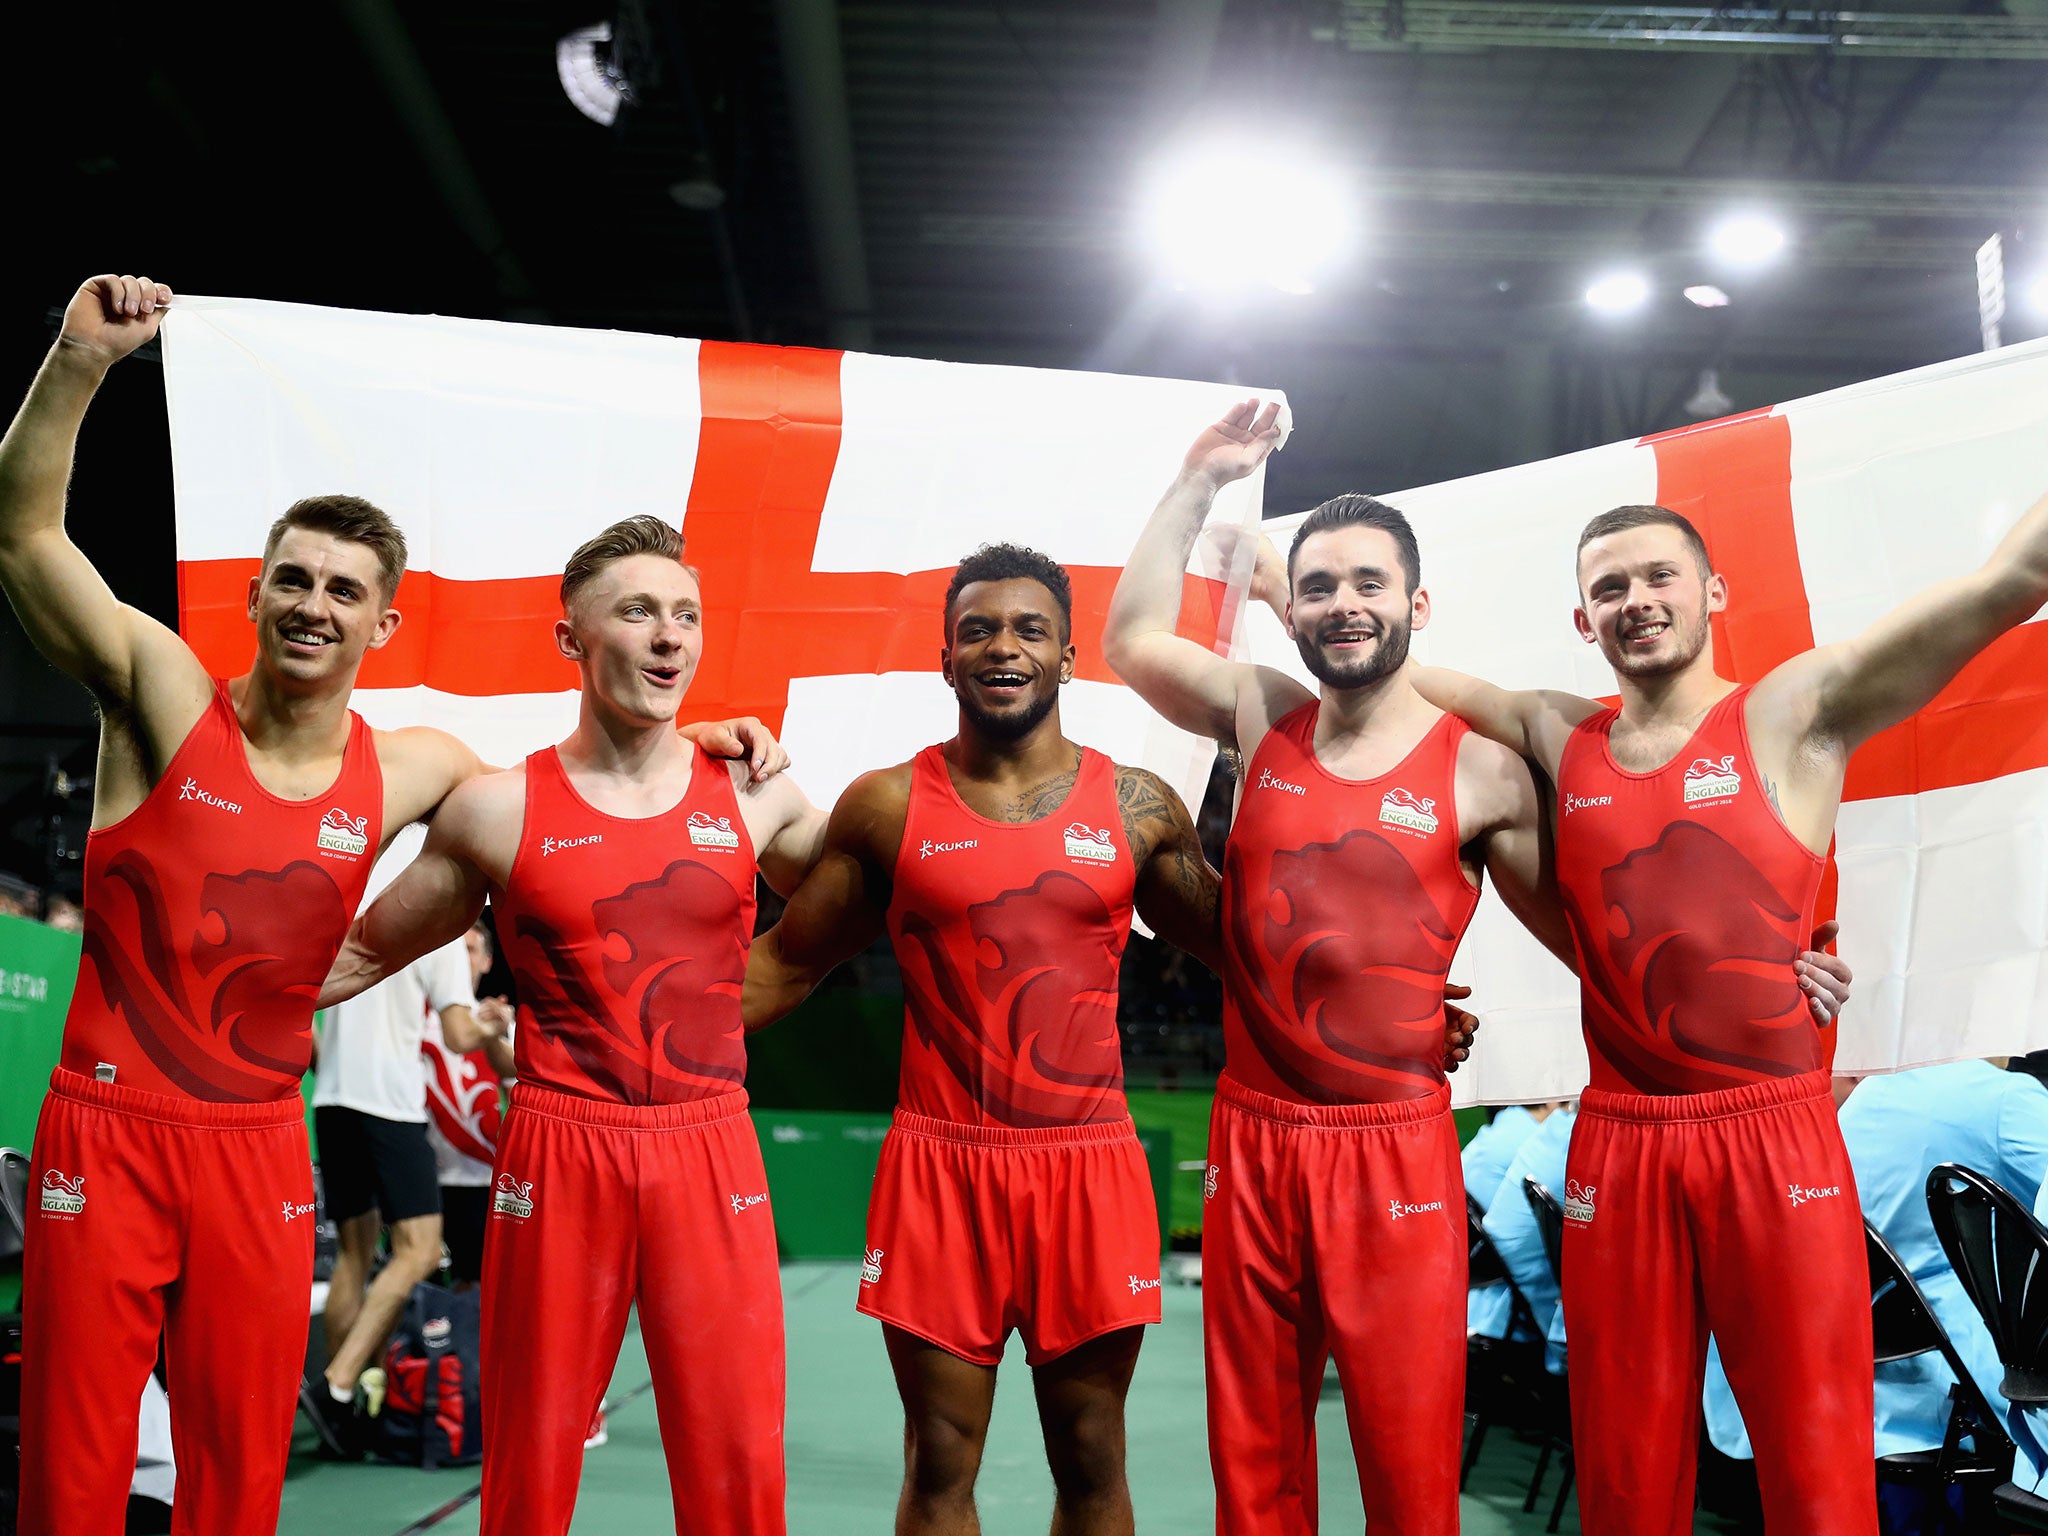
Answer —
(372, 1164)
(464, 1210)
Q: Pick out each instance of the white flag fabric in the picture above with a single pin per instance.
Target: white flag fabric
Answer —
(1824, 513)
(824, 496)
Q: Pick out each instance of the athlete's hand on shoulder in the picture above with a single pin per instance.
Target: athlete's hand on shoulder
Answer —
(1824, 978)
(1232, 448)
(1459, 1026)
(110, 316)
(741, 737)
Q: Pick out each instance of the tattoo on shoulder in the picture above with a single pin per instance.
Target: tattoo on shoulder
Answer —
(1148, 807)
(1771, 790)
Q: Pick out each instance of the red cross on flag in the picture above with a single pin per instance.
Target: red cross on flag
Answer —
(1823, 514)
(825, 497)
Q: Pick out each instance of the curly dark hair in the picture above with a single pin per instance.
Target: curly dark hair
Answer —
(1002, 562)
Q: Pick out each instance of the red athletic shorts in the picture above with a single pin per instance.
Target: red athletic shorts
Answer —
(152, 1215)
(977, 1229)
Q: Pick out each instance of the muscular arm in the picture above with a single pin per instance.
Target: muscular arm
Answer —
(1178, 895)
(1531, 723)
(1517, 842)
(433, 901)
(840, 908)
(788, 831)
(1836, 697)
(73, 617)
(1187, 683)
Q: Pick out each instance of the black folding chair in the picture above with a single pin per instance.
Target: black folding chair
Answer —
(1903, 1326)
(1501, 1375)
(13, 1205)
(1557, 1428)
(2000, 1254)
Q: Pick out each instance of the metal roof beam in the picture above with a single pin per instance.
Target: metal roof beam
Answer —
(1424, 25)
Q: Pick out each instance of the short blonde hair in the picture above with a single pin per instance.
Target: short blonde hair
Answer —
(624, 539)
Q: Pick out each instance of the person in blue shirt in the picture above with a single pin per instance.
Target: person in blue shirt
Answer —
(1485, 1158)
(1897, 1128)
(1512, 1226)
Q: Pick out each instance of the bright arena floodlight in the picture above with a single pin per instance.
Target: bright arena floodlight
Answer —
(1747, 239)
(590, 75)
(1234, 214)
(1707, 296)
(1618, 293)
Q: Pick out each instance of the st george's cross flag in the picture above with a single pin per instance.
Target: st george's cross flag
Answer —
(1824, 514)
(826, 496)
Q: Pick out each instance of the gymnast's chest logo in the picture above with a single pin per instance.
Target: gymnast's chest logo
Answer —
(344, 834)
(708, 831)
(1409, 812)
(1092, 845)
(190, 790)
(928, 848)
(1268, 780)
(550, 845)
(1712, 778)
(61, 1196)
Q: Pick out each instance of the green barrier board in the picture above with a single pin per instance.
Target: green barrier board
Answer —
(38, 967)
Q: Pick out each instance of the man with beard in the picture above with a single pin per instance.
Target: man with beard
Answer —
(1335, 1219)
(621, 867)
(1711, 1187)
(1004, 865)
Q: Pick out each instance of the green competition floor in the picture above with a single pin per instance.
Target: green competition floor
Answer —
(845, 1447)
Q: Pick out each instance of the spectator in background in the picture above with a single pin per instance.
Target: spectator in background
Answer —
(1512, 1226)
(1898, 1128)
(1487, 1155)
(370, 1116)
(65, 915)
(464, 1111)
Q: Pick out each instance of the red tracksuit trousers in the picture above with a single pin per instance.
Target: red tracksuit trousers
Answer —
(596, 1205)
(1732, 1212)
(152, 1216)
(1334, 1230)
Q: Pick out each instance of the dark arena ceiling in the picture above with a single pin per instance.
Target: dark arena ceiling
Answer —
(959, 181)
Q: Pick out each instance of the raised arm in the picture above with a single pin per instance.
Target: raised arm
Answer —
(64, 604)
(1178, 894)
(1838, 696)
(1532, 723)
(840, 908)
(1188, 683)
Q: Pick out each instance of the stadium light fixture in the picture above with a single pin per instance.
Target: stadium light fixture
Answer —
(1618, 293)
(1231, 213)
(1707, 296)
(1747, 240)
(590, 74)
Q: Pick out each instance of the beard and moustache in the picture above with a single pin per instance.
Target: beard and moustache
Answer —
(1011, 725)
(1386, 659)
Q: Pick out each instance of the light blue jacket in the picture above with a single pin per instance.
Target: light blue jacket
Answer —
(2029, 1425)
(1512, 1226)
(1485, 1159)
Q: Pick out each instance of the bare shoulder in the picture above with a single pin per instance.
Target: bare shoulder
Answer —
(1271, 697)
(772, 802)
(1153, 812)
(421, 765)
(871, 813)
(1495, 786)
(484, 813)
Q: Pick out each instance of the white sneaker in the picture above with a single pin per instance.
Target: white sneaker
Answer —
(598, 1434)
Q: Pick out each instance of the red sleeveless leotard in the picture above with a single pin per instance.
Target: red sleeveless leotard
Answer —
(1689, 899)
(628, 939)
(212, 913)
(1343, 903)
(1009, 935)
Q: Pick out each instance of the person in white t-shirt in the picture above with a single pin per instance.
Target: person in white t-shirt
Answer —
(464, 1110)
(377, 1169)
